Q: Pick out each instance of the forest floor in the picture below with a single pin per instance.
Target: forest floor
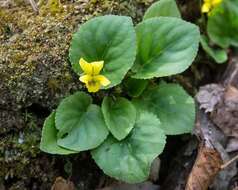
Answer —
(35, 75)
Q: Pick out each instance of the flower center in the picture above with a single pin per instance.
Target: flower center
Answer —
(92, 82)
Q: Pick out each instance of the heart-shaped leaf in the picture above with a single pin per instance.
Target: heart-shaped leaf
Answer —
(222, 26)
(111, 39)
(167, 8)
(166, 46)
(70, 110)
(134, 87)
(219, 55)
(49, 138)
(129, 160)
(172, 105)
(81, 125)
(120, 116)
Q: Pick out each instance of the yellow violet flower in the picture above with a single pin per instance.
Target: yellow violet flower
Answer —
(91, 76)
(208, 5)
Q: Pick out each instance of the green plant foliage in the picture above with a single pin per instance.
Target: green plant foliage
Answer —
(172, 105)
(82, 123)
(158, 47)
(167, 8)
(111, 39)
(134, 87)
(219, 55)
(222, 24)
(120, 116)
(129, 160)
(49, 138)
(69, 110)
(166, 46)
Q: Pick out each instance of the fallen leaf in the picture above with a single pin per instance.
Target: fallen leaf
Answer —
(206, 167)
(180, 166)
(209, 159)
(62, 184)
(232, 145)
(223, 178)
(209, 96)
(225, 115)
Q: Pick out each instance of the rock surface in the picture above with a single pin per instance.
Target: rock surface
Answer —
(35, 74)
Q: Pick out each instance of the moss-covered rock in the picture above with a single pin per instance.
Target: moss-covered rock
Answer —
(35, 75)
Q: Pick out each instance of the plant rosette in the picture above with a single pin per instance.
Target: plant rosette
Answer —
(123, 134)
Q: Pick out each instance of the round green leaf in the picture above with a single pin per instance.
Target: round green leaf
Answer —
(222, 24)
(120, 116)
(108, 38)
(49, 138)
(172, 105)
(219, 55)
(70, 110)
(80, 123)
(134, 87)
(166, 8)
(166, 46)
(129, 160)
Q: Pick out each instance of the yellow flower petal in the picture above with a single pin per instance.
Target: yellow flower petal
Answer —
(216, 2)
(97, 67)
(85, 78)
(86, 67)
(103, 80)
(206, 8)
(93, 86)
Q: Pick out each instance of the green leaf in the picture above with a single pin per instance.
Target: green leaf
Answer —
(172, 105)
(134, 87)
(120, 116)
(219, 55)
(70, 110)
(49, 138)
(129, 160)
(80, 123)
(222, 24)
(108, 38)
(167, 8)
(166, 46)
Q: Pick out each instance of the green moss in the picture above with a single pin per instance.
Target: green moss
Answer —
(35, 70)
(52, 7)
(18, 148)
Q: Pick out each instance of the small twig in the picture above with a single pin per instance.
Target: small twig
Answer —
(229, 162)
(34, 5)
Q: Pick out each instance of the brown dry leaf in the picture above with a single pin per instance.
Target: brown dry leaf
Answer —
(232, 145)
(62, 184)
(221, 100)
(180, 166)
(209, 96)
(210, 154)
(225, 116)
(206, 166)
